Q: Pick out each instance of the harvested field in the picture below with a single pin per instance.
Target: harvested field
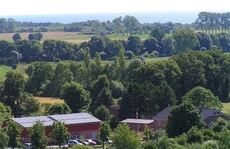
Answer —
(49, 100)
(73, 37)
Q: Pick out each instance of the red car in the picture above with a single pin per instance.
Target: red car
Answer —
(91, 142)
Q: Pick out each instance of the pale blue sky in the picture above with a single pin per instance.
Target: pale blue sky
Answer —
(30, 7)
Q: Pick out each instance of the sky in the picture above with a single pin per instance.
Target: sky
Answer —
(35, 7)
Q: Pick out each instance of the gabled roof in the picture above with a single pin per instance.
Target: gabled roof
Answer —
(163, 114)
(75, 118)
(27, 122)
(205, 113)
(115, 107)
(139, 121)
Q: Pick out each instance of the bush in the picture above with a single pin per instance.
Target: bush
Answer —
(145, 55)
(149, 145)
(194, 136)
(57, 60)
(129, 54)
(202, 49)
(14, 66)
(154, 54)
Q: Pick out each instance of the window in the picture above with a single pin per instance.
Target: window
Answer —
(94, 135)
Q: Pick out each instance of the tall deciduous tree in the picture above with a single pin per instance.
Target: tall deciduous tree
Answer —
(125, 138)
(13, 132)
(182, 118)
(75, 96)
(104, 132)
(157, 33)
(3, 138)
(5, 112)
(37, 136)
(59, 133)
(28, 105)
(13, 88)
(186, 40)
(202, 97)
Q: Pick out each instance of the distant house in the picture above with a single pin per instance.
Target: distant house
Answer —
(207, 115)
(78, 124)
(138, 124)
(113, 110)
(160, 120)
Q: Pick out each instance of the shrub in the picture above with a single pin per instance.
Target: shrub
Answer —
(129, 54)
(57, 60)
(14, 66)
(145, 55)
(194, 136)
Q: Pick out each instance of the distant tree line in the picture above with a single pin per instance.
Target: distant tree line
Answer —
(158, 44)
(212, 22)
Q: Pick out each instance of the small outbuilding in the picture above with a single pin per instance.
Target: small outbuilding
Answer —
(139, 124)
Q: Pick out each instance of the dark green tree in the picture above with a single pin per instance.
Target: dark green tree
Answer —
(14, 85)
(182, 118)
(102, 113)
(186, 40)
(194, 135)
(75, 96)
(157, 33)
(16, 36)
(14, 133)
(134, 44)
(104, 133)
(28, 105)
(37, 136)
(39, 73)
(59, 133)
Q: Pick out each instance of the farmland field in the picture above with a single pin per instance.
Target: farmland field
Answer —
(49, 100)
(72, 37)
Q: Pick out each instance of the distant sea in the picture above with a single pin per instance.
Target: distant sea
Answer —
(143, 17)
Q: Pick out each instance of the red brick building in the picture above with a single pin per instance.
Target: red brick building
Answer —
(78, 124)
(139, 124)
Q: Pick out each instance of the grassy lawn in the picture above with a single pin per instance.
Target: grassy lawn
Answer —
(3, 70)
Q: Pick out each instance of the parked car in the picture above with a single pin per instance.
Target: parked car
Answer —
(83, 142)
(109, 142)
(98, 142)
(73, 142)
(27, 145)
(91, 142)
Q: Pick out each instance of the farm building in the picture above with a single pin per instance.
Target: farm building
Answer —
(139, 124)
(78, 124)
